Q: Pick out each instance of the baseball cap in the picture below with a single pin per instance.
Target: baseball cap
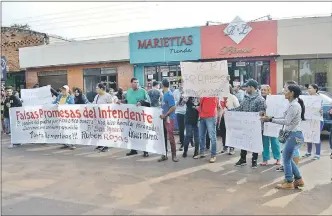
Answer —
(252, 83)
(65, 87)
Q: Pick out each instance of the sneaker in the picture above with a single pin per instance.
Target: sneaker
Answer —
(224, 150)
(331, 155)
(11, 146)
(280, 169)
(64, 146)
(306, 155)
(184, 154)
(285, 185)
(196, 156)
(98, 148)
(202, 155)
(316, 157)
(132, 152)
(175, 159)
(104, 149)
(231, 151)
(241, 163)
(298, 183)
(163, 158)
(146, 154)
(181, 148)
(213, 159)
(254, 165)
(72, 147)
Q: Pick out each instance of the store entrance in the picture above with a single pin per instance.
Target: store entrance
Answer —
(242, 71)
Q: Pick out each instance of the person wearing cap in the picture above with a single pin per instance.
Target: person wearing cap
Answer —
(155, 95)
(65, 98)
(168, 116)
(252, 102)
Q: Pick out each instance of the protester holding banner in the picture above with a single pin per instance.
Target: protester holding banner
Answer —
(313, 91)
(191, 119)
(168, 116)
(102, 97)
(292, 135)
(225, 103)
(275, 146)
(80, 98)
(139, 97)
(10, 101)
(65, 98)
(253, 102)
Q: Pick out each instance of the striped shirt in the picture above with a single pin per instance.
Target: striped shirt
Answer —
(292, 117)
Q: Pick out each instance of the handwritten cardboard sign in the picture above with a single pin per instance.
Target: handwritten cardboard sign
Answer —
(205, 79)
(276, 105)
(244, 131)
(36, 96)
(313, 105)
(120, 126)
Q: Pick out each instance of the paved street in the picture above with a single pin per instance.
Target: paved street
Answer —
(45, 180)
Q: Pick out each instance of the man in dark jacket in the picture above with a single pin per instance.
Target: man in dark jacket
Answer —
(10, 101)
(252, 102)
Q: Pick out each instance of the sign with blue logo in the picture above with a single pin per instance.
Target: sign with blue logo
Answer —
(165, 46)
(3, 67)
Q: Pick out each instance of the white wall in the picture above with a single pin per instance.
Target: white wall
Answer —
(77, 52)
(305, 36)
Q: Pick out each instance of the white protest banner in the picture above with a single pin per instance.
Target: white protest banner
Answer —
(313, 105)
(311, 130)
(120, 126)
(244, 131)
(36, 96)
(205, 79)
(271, 129)
(276, 105)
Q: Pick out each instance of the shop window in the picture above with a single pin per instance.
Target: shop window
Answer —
(158, 73)
(291, 70)
(308, 69)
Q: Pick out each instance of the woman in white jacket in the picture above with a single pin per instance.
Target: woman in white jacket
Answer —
(229, 102)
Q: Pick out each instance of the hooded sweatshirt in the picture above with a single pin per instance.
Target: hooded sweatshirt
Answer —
(251, 103)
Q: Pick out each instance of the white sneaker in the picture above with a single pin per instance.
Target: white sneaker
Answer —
(10, 146)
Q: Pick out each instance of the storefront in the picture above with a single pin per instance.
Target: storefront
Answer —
(305, 48)
(80, 64)
(157, 54)
(250, 49)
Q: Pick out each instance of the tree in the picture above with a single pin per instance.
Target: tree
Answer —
(21, 26)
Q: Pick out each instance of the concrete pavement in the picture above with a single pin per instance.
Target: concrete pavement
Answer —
(45, 180)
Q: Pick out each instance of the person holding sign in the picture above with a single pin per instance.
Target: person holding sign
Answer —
(168, 116)
(291, 135)
(65, 98)
(252, 102)
(275, 146)
(313, 91)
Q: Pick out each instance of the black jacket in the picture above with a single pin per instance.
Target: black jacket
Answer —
(11, 101)
(192, 114)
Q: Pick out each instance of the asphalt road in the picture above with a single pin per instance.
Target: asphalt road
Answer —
(45, 180)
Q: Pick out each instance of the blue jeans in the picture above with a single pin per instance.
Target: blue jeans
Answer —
(208, 125)
(190, 129)
(318, 145)
(294, 141)
(7, 125)
(330, 139)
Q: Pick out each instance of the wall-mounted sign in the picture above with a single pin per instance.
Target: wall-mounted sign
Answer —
(233, 50)
(237, 30)
(240, 64)
(165, 42)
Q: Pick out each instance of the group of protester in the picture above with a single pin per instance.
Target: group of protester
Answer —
(201, 120)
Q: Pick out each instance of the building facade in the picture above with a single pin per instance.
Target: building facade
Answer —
(80, 64)
(157, 54)
(305, 49)
(249, 47)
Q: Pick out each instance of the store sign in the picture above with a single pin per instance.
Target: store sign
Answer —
(233, 50)
(237, 30)
(165, 42)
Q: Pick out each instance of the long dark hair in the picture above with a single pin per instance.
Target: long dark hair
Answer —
(297, 92)
(231, 89)
(315, 86)
(79, 91)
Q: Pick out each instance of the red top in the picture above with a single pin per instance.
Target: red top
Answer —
(208, 107)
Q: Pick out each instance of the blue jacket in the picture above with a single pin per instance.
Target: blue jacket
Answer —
(70, 99)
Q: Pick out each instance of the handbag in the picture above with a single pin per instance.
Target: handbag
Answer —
(283, 135)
